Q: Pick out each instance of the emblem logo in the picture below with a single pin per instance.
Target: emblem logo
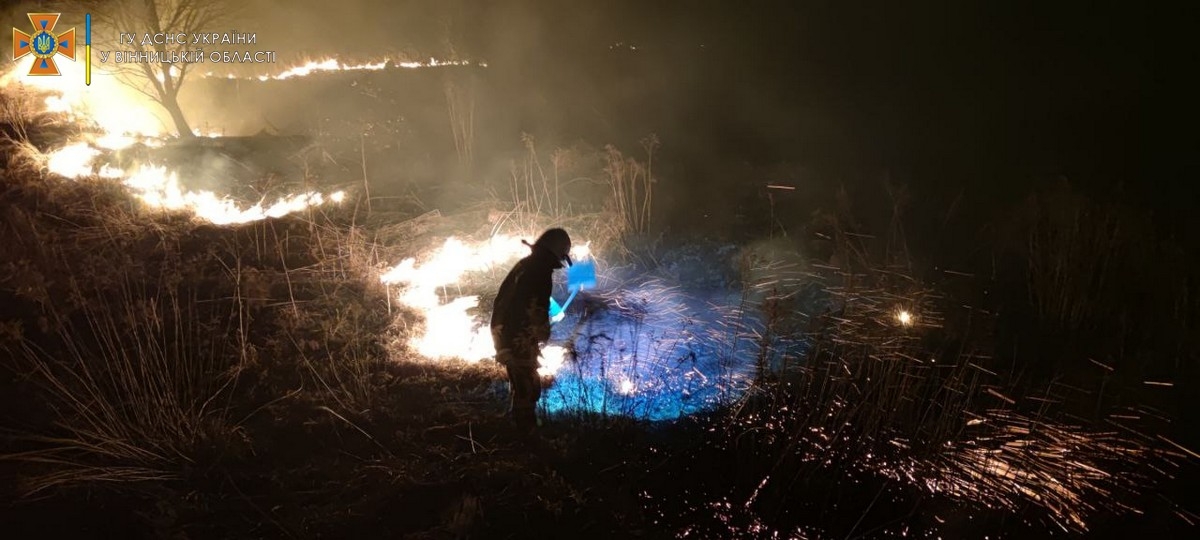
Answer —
(44, 44)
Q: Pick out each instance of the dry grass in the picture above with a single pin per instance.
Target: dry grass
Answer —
(533, 190)
(162, 346)
(139, 388)
(460, 108)
(18, 107)
(632, 185)
(883, 388)
(1073, 246)
(131, 368)
(558, 188)
(229, 370)
(151, 338)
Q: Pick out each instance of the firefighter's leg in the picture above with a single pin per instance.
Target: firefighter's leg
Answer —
(535, 382)
(526, 389)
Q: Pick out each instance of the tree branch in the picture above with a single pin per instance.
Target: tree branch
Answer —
(161, 81)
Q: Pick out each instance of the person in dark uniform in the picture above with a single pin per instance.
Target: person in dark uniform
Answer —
(521, 321)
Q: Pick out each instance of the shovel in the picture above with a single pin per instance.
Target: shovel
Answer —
(580, 275)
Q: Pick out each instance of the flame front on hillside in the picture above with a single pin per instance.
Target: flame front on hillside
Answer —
(159, 188)
(122, 116)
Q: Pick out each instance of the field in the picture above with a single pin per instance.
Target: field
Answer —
(809, 373)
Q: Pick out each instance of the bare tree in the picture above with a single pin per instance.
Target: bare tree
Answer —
(161, 81)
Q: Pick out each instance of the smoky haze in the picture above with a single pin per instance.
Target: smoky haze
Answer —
(974, 100)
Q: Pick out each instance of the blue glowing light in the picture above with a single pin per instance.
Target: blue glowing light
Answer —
(656, 353)
(582, 274)
(556, 311)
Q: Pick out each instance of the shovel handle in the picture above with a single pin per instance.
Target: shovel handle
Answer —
(562, 310)
(570, 298)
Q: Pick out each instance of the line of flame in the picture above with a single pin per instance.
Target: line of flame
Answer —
(333, 64)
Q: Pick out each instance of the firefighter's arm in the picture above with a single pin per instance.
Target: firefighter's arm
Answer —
(539, 316)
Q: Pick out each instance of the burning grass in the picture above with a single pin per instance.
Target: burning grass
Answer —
(136, 327)
(284, 360)
(223, 369)
(257, 365)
